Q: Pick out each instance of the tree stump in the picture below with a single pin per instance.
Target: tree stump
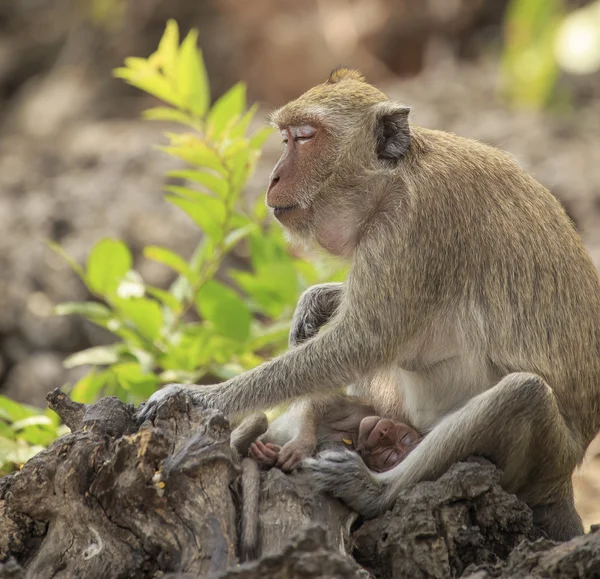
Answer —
(113, 499)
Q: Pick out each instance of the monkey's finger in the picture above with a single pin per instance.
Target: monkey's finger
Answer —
(292, 462)
(274, 447)
(268, 449)
(259, 452)
(257, 455)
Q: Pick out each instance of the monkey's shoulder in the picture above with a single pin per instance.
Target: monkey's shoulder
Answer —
(457, 150)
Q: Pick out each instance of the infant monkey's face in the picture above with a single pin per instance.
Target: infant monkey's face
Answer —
(383, 443)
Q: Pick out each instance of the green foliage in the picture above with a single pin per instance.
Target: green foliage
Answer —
(528, 64)
(24, 431)
(198, 326)
(541, 39)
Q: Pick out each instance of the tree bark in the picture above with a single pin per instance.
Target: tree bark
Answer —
(166, 499)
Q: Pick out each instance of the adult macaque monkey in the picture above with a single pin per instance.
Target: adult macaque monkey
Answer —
(471, 310)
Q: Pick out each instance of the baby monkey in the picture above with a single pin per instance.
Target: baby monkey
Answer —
(342, 421)
(335, 421)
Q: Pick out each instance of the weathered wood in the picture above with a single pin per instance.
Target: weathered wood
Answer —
(120, 500)
(114, 499)
(437, 529)
(288, 504)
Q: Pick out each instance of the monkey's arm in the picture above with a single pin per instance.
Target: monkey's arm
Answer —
(510, 423)
(248, 431)
(378, 316)
(316, 307)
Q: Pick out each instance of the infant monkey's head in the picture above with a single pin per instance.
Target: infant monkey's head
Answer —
(383, 443)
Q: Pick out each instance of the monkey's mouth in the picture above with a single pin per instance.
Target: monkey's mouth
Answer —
(278, 211)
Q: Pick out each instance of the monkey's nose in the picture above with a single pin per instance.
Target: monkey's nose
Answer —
(274, 180)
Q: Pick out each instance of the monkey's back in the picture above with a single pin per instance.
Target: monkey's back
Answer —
(512, 258)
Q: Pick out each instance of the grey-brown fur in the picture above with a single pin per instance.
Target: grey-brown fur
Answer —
(471, 310)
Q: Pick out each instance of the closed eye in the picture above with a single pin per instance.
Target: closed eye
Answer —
(302, 134)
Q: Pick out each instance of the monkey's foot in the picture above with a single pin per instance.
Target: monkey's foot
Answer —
(343, 474)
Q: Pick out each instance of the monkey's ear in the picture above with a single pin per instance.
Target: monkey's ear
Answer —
(392, 131)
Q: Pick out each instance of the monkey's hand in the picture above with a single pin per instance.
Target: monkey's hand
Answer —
(315, 307)
(205, 396)
(293, 452)
(264, 454)
(343, 474)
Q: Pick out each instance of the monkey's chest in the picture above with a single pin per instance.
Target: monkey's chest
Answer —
(423, 398)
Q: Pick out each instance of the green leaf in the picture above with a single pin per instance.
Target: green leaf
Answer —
(171, 259)
(96, 356)
(149, 80)
(208, 213)
(144, 359)
(22, 453)
(275, 334)
(14, 411)
(212, 183)
(196, 152)
(168, 48)
(91, 310)
(145, 315)
(241, 163)
(131, 378)
(137, 64)
(39, 420)
(167, 298)
(228, 107)
(187, 350)
(274, 287)
(191, 77)
(223, 307)
(258, 138)
(87, 390)
(192, 195)
(239, 128)
(107, 264)
(168, 114)
(235, 236)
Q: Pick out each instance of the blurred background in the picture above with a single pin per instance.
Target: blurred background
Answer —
(77, 163)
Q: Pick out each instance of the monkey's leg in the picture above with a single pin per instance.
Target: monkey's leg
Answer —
(314, 308)
(248, 431)
(516, 424)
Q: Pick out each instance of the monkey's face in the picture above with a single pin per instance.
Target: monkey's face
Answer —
(383, 443)
(334, 136)
(292, 183)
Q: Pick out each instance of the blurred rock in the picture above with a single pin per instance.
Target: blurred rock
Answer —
(29, 380)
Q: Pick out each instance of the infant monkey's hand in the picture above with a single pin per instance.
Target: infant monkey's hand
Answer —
(264, 454)
(294, 452)
(286, 458)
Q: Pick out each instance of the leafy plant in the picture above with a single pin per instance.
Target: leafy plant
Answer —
(528, 64)
(24, 431)
(198, 326)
